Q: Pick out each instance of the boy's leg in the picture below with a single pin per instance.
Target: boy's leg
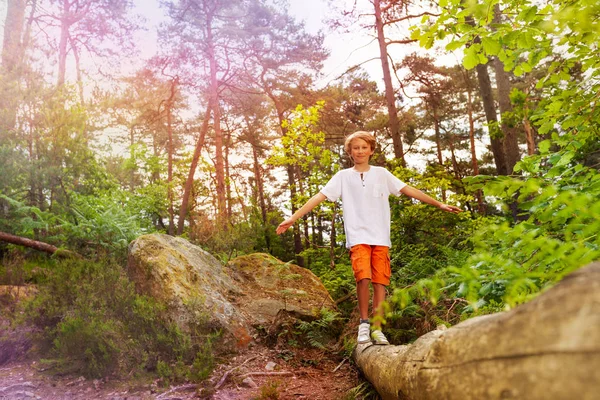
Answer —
(381, 274)
(378, 299)
(364, 328)
(361, 266)
(362, 292)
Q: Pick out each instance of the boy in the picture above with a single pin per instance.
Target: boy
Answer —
(364, 190)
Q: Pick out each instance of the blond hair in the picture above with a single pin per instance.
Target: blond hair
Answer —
(366, 136)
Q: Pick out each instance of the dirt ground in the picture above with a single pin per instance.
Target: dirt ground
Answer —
(258, 373)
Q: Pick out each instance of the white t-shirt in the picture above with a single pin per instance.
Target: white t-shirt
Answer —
(365, 203)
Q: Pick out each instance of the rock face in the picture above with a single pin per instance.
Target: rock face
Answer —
(270, 286)
(249, 291)
(548, 348)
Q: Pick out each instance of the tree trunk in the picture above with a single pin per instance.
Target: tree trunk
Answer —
(474, 162)
(290, 175)
(259, 184)
(11, 60)
(229, 182)
(390, 95)
(13, 28)
(214, 94)
(187, 190)
(170, 151)
(548, 348)
(438, 136)
(65, 24)
(333, 241)
(510, 142)
(491, 117)
(77, 69)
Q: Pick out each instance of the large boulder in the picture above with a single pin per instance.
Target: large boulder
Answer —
(249, 291)
(190, 281)
(548, 348)
(270, 286)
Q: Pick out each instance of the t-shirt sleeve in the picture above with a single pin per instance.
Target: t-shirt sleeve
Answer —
(394, 184)
(333, 189)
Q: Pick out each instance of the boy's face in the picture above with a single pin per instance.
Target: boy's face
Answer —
(360, 151)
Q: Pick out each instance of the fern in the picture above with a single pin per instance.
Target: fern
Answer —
(318, 332)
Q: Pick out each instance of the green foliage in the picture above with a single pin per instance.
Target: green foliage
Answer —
(103, 221)
(302, 146)
(557, 232)
(552, 209)
(96, 225)
(269, 391)
(92, 321)
(364, 391)
(319, 332)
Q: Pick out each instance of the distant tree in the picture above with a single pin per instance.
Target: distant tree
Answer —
(101, 27)
(281, 57)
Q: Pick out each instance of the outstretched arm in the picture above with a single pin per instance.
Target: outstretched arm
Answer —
(417, 194)
(305, 209)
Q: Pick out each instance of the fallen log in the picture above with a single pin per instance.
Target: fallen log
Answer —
(548, 348)
(37, 245)
(34, 244)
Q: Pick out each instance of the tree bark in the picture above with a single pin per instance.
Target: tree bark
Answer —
(548, 348)
(390, 95)
(510, 144)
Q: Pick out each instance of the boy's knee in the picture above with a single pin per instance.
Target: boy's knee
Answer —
(363, 282)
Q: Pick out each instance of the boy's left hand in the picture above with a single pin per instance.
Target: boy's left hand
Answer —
(449, 208)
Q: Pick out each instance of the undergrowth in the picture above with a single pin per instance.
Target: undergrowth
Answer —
(91, 322)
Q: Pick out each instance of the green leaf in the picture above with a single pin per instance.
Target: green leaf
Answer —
(518, 70)
(471, 59)
(453, 45)
(491, 47)
(544, 146)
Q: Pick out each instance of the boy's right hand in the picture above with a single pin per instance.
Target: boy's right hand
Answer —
(284, 226)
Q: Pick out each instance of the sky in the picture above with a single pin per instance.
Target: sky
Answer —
(345, 49)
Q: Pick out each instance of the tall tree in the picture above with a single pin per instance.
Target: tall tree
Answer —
(281, 52)
(390, 93)
(210, 26)
(12, 55)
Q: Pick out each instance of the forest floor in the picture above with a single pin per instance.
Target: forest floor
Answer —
(258, 373)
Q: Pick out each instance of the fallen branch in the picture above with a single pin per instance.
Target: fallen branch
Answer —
(280, 373)
(37, 245)
(226, 374)
(34, 244)
(176, 389)
(339, 365)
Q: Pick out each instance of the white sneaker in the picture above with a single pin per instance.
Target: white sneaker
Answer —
(364, 331)
(379, 338)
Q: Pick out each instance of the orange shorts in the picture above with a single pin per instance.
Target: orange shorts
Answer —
(371, 262)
